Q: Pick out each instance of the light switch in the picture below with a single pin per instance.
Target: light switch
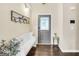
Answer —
(72, 21)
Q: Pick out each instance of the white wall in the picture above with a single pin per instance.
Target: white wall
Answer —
(67, 44)
(9, 29)
(77, 31)
(60, 25)
(50, 9)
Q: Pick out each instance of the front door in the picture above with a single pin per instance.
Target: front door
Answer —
(44, 29)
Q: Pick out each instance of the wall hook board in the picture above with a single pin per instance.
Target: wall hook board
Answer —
(19, 18)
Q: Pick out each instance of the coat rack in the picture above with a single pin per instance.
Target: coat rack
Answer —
(18, 18)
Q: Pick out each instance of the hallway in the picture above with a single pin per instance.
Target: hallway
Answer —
(38, 23)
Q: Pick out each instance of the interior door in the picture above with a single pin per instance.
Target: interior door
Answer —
(44, 29)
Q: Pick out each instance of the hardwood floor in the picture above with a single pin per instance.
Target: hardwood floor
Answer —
(47, 50)
(43, 50)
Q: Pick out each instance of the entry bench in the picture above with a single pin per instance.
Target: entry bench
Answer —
(28, 41)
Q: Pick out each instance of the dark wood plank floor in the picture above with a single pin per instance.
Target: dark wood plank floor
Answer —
(47, 50)
(43, 50)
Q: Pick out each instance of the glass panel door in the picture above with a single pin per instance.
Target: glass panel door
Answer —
(44, 23)
(44, 29)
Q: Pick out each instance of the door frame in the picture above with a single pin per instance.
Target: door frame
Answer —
(51, 31)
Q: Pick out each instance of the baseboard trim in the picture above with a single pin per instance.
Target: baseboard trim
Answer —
(68, 50)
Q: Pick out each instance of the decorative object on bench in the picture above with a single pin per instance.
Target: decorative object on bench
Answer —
(13, 47)
(10, 49)
(55, 39)
(17, 17)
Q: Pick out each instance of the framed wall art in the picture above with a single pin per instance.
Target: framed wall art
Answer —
(19, 18)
